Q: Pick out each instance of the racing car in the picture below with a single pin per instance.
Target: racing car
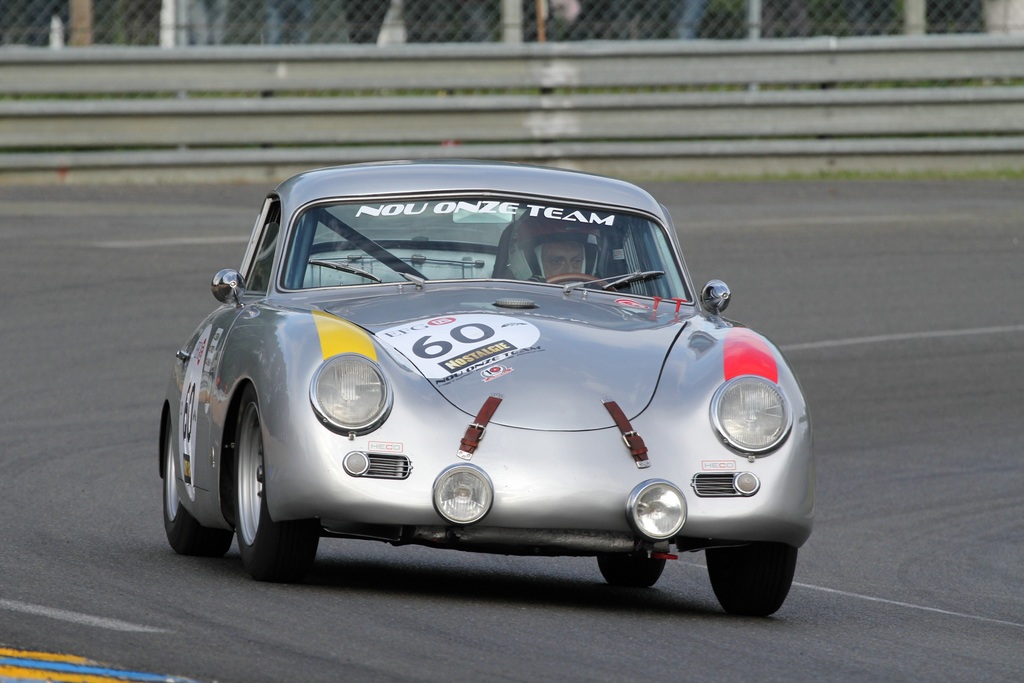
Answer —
(488, 357)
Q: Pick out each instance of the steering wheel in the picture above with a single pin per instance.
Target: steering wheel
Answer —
(567, 278)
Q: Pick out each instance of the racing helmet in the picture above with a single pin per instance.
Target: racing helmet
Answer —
(528, 237)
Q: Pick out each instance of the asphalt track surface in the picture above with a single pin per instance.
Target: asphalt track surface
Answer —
(899, 304)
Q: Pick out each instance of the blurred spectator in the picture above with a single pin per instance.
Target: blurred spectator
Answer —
(785, 19)
(689, 14)
(365, 18)
(633, 19)
(869, 17)
(206, 21)
(560, 24)
(968, 16)
(564, 10)
(452, 21)
(27, 22)
(603, 20)
(286, 21)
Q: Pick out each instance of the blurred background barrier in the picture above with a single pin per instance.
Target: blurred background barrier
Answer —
(179, 23)
(642, 103)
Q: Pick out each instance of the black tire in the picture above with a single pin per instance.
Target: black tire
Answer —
(631, 571)
(184, 533)
(271, 551)
(752, 580)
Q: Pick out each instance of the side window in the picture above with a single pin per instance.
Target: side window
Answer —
(257, 280)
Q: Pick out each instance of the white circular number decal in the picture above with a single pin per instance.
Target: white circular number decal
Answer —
(445, 346)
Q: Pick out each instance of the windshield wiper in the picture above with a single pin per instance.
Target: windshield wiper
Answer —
(617, 280)
(366, 244)
(345, 268)
(416, 280)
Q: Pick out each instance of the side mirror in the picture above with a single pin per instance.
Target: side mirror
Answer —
(715, 297)
(228, 287)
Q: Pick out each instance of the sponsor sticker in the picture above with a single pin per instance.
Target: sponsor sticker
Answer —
(718, 465)
(501, 211)
(476, 356)
(188, 410)
(631, 303)
(385, 447)
(444, 347)
(494, 372)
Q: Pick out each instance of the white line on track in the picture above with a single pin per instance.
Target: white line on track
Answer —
(894, 603)
(825, 221)
(908, 605)
(907, 336)
(172, 242)
(77, 617)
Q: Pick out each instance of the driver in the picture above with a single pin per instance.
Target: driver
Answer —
(540, 249)
(560, 255)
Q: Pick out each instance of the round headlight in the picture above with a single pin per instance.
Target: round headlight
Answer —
(656, 510)
(751, 414)
(349, 394)
(463, 494)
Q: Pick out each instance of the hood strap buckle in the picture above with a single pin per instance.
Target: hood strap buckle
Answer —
(634, 442)
(476, 429)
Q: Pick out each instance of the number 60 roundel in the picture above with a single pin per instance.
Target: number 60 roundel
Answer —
(449, 345)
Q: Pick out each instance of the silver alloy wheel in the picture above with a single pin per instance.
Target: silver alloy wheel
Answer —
(170, 480)
(250, 458)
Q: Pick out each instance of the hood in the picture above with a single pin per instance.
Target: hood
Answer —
(552, 359)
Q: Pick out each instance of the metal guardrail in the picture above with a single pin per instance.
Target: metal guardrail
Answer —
(639, 109)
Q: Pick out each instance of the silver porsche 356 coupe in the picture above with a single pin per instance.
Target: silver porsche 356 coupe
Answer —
(485, 357)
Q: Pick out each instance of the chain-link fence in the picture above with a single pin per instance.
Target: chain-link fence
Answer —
(173, 23)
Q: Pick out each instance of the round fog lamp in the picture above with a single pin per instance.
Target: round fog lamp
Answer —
(463, 494)
(656, 510)
(356, 463)
(746, 483)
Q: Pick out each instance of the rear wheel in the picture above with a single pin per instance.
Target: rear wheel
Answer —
(184, 533)
(633, 571)
(752, 580)
(271, 551)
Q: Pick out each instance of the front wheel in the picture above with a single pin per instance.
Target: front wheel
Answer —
(632, 571)
(186, 535)
(271, 551)
(752, 580)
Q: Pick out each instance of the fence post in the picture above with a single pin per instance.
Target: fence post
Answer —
(511, 21)
(913, 17)
(753, 19)
(81, 22)
(168, 23)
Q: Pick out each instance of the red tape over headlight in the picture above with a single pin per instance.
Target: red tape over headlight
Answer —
(746, 353)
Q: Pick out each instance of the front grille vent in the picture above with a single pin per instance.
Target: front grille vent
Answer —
(388, 466)
(714, 485)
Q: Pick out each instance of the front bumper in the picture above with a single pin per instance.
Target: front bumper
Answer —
(564, 491)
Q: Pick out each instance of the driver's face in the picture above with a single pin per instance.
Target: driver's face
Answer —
(561, 257)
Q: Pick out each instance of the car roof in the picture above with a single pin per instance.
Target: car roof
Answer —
(429, 176)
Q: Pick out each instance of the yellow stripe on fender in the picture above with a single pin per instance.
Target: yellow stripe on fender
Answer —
(340, 336)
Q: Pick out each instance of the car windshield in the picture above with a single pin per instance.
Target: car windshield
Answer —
(470, 238)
